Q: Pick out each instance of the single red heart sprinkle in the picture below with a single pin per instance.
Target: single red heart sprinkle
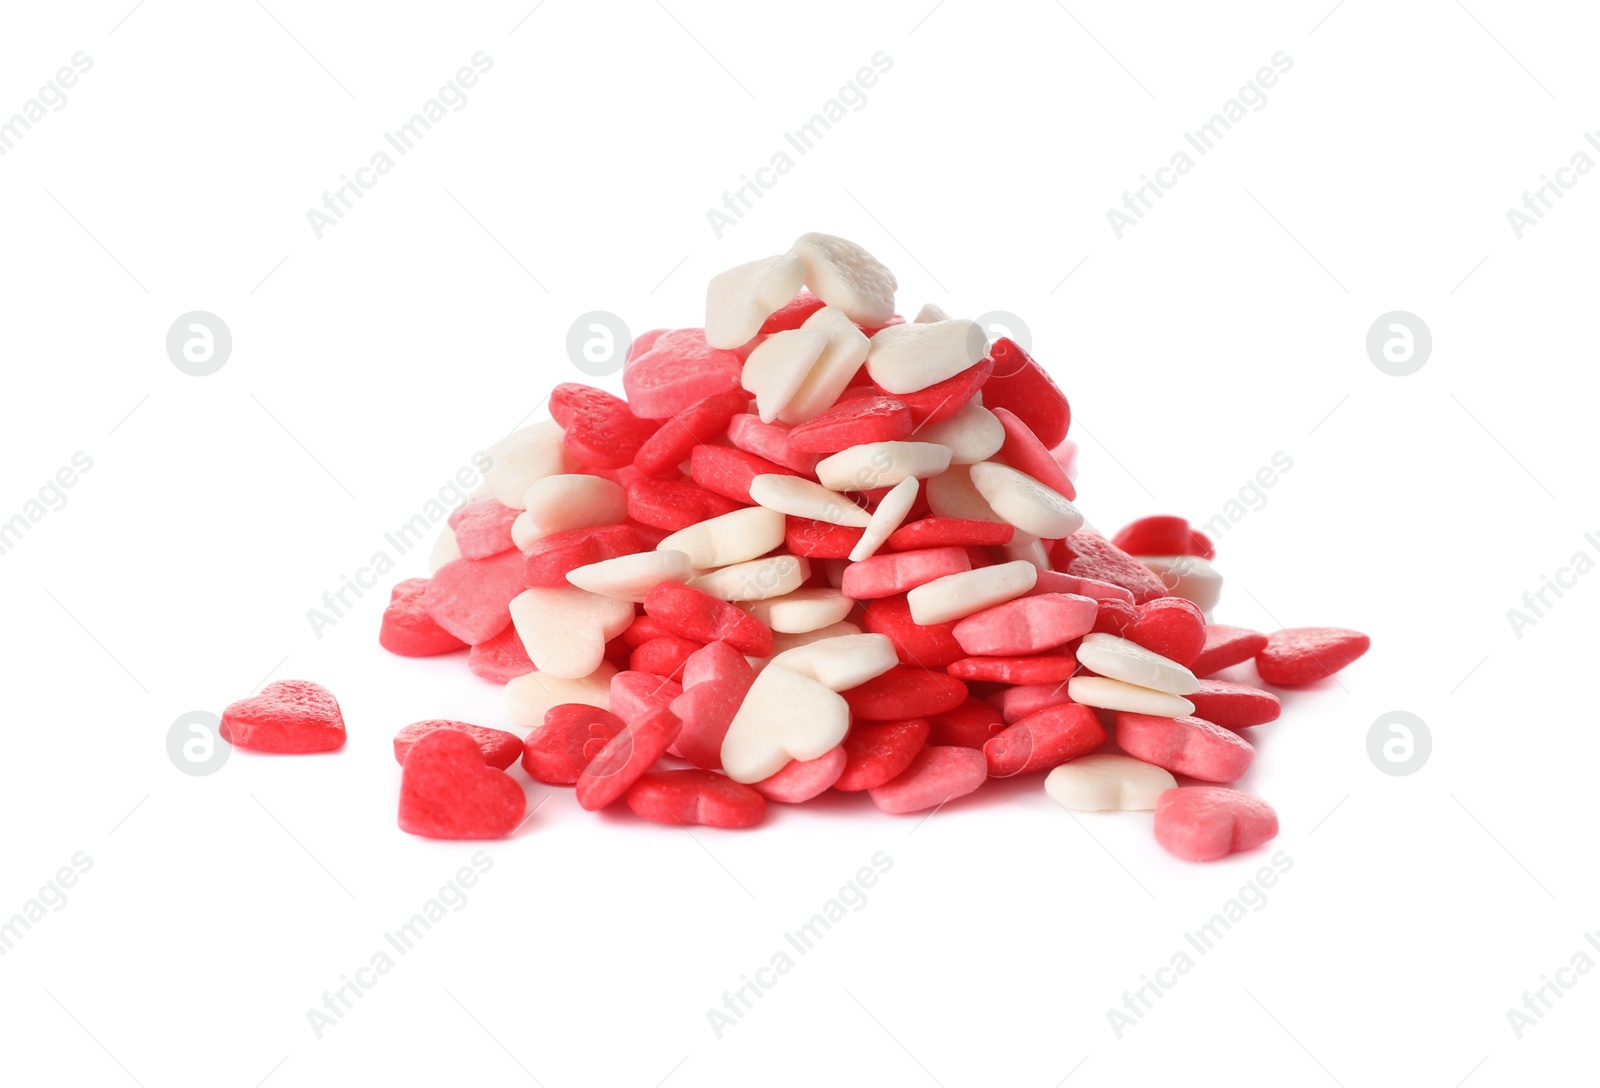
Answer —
(700, 616)
(853, 422)
(969, 725)
(699, 423)
(1023, 700)
(894, 573)
(501, 659)
(948, 532)
(635, 693)
(728, 472)
(1235, 706)
(819, 539)
(905, 692)
(802, 779)
(598, 431)
(1027, 625)
(1158, 534)
(875, 752)
(627, 756)
(550, 559)
(1164, 534)
(926, 645)
(1020, 385)
(1225, 647)
(671, 505)
(447, 791)
(1053, 581)
(939, 402)
(1303, 655)
(1024, 452)
(695, 797)
(572, 735)
(1172, 627)
(287, 717)
(1115, 617)
(662, 656)
(792, 314)
(500, 749)
(1037, 669)
(771, 442)
(407, 628)
(1042, 740)
(1090, 555)
(643, 629)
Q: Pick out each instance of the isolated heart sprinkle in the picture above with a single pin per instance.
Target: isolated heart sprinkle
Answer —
(447, 791)
(289, 716)
(1201, 823)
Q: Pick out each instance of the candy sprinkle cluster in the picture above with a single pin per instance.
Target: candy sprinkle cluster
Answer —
(818, 547)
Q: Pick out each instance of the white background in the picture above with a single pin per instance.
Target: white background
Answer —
(369, 365)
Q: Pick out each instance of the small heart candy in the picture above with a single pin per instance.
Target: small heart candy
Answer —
(1105, 781)
(784, 716)
(572, 735)
(937, 775)
(803, 779)
(1028, 625)
(1201, 823)
(680, 798)
(501, 659)
(1227, 646)
(565, 631)
(1170, 626)
(1090, 555)
(447, 791)
(715, 680)
(904, 691)
(407, 628)
(1044, 739)
(1185, 745)
(971, 724)
(634, 693)
(500, 749)
(598, 430)
(677, 371)
(1115, 617)
(1234, 706)
(626, 757)
(875, 752)
(1159, 534)
(1302, 655)
(471, 598)
(483, 527)
(289, 716)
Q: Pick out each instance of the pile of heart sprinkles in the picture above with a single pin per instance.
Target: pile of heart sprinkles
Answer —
(818, 547)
